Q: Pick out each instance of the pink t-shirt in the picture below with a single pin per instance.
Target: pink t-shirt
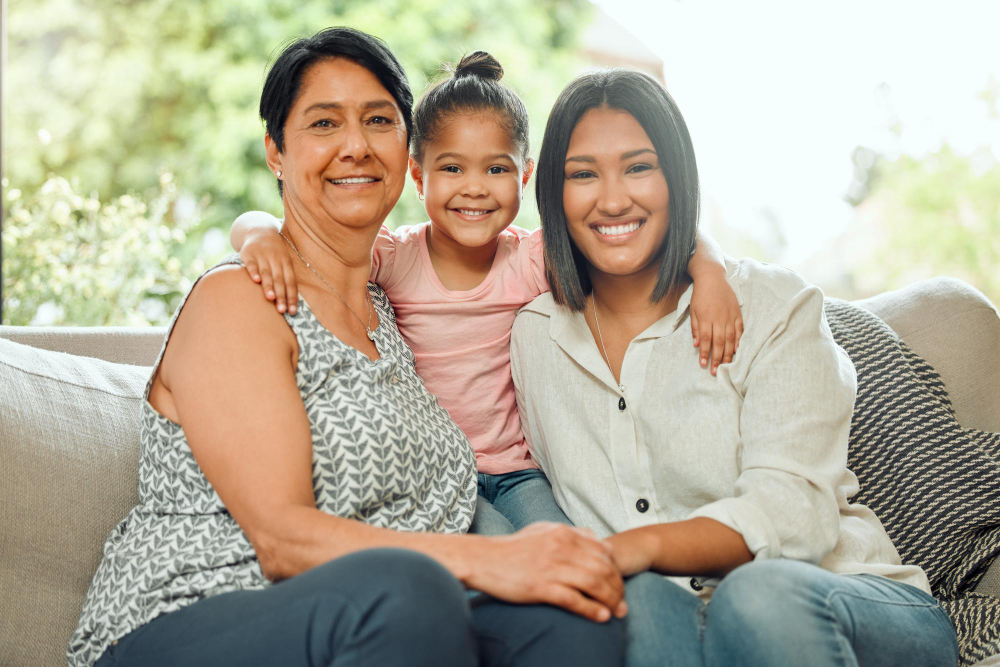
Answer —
(461, 339)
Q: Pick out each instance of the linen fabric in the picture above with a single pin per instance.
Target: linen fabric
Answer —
(69, 457)
(761, 447)
(461, 339)
(935, 485)
(384, 452)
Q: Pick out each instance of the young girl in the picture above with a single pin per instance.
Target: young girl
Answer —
(457, 281)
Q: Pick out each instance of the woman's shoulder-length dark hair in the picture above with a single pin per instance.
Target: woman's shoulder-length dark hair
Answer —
(645, 99)
(281, 87)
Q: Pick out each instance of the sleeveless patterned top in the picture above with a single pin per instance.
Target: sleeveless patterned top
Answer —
(384, 452)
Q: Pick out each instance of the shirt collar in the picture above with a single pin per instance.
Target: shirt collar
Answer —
(569, 331)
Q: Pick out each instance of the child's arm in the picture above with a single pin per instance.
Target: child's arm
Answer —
(266, 257)
(716, 320)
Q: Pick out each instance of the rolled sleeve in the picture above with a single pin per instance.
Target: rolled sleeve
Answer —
(794, 425)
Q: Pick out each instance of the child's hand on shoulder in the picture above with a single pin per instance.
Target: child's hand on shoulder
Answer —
(716, 320)
(268, 260)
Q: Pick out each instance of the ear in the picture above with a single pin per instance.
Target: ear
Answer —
(417, 174)
(529, 169)
(272, 155)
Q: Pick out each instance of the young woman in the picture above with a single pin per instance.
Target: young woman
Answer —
(734, 485)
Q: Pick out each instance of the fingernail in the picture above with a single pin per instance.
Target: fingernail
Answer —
(603, 615)
(281, 307)
(270, 294)
(256, 277)
(704, 362)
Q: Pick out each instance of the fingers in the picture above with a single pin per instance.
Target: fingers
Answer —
(705, 344)
(251, 267)
(598, 580)
(718, 346)
(278, 274)
(266, 283)
(572, 600)
(291, 287)
(727, 355)
(694, 328)
(739, 332)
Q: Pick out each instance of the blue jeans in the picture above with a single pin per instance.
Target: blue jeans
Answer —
(511, 501)
(782, 612)
(374, 608)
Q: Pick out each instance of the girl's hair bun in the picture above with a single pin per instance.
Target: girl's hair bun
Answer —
(481, 64)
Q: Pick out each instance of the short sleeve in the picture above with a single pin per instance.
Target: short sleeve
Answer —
(531, 262)
(383, 257)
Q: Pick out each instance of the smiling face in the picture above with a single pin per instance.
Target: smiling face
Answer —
(472, 176)
(345, 148)
(615, 195)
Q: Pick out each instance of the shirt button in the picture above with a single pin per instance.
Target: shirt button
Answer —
(642, 504)
(695, 584)
(621, 403)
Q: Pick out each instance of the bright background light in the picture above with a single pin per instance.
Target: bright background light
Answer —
(779, 94)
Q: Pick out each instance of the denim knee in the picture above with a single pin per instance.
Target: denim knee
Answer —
(413, 586)
(399, 599)
(766, 598)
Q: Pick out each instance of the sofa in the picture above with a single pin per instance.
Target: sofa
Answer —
(69, 406)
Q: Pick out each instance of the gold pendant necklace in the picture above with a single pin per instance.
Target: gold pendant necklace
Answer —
(368, 299)
(607, 359)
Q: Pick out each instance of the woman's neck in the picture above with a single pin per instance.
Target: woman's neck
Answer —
(341, 255)
(459, 267)
(626, 298)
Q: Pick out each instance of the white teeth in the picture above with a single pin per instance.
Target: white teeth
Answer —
(351, 181)
(471, 211)
(618, 230)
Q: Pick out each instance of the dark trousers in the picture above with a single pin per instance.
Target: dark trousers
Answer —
(378, 608)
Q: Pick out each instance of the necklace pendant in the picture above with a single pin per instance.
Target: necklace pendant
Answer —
(371, 335)
(622, 388)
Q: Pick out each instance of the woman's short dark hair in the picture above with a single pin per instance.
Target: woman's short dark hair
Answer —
(645, 99)
(281, 88)
(474, 85)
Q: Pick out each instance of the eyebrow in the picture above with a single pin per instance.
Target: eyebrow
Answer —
(326, 106)
(495, 156)
(625, 156)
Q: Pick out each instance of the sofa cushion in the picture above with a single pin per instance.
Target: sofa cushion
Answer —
(934, 485)
(69, 434)
(954, 327)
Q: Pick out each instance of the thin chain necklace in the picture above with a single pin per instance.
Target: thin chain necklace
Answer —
(607, 359)
(368, 301)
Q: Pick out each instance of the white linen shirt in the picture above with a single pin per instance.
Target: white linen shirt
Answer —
(761, 447)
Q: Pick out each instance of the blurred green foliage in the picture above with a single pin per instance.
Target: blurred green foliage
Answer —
(75, 260)
(110, 94)
(939, 215)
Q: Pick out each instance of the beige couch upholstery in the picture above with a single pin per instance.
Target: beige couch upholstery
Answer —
(69, 445)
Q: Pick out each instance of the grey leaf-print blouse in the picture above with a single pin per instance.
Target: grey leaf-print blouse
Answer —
(384, 452)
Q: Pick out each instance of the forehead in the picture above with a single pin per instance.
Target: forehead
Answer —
(607, 131)
(339, 81)
(475, 132)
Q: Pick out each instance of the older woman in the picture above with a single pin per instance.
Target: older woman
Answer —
(735, 484)
(295, 475)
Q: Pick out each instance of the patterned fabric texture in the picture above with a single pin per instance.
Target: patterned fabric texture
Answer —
(384, 452)
(934, 485)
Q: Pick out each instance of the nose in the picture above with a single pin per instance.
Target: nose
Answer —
(473, 185)
(354, 143)
(614, 199)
